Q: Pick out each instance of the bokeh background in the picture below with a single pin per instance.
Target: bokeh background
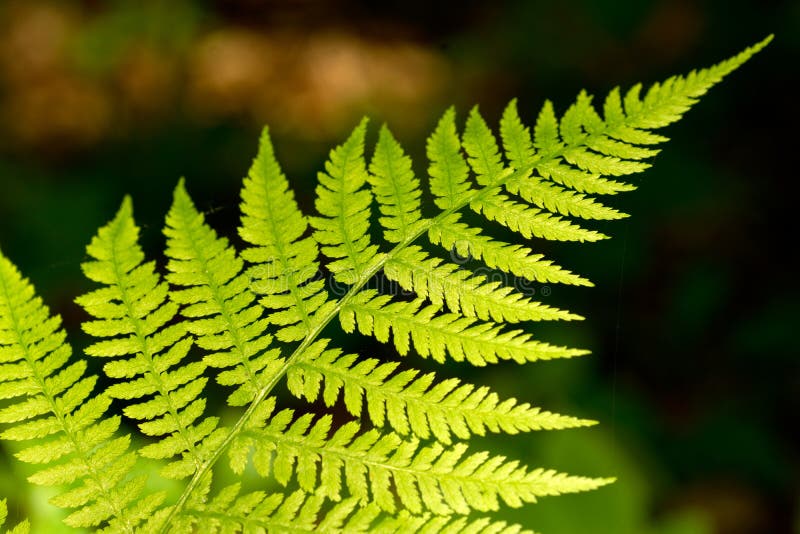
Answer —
(693, 321)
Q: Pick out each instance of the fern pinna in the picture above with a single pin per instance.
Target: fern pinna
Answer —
(253, 317)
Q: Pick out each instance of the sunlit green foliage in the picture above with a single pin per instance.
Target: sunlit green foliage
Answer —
(397, 459)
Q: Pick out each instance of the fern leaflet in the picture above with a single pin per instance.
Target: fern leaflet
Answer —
(132, 310)
(76, 443)
(413, 403)
(434, 478)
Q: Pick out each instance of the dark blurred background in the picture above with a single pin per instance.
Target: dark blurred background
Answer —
(694, 374)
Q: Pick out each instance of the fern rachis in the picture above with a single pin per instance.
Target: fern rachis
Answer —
(257, 316)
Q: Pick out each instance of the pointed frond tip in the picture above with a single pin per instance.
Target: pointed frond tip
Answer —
(282, 263)
(396, 188)
(212, 288)
(344, 206)
(666, 102)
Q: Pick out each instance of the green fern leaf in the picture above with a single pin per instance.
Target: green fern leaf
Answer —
(221, 309)
(666, 102)
(226, 318)
(446, 334)
(22, 528)
(463, 292)
(520, 152)
(481, 145)
(545, 132)
(396, 188)
(133, 314)
(284, 265)
(76, 442)
(413, 403)
(274, 512)
(345, 207)
(555, 199)
(298, 512)
(515, 259)
(531, 222)
(433, 478)
(483, 152)
(448, 171)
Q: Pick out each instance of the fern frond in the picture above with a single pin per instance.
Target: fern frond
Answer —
(529, 221)
(448, 171)
(539, 180)
(481, 147)
(446, 334)
(345, 208)
(433, 478)
(463, 525)
(467, 241)
(224, 316)
(577, 152)
(449, 182)
(284, 265)
(666, 102)
(415, 403)
(520, 151)
(22, 528)
(298, 512)
(465, 293)
(484, 158)
(545, 131)
(581, 149)
(584, 182)
(606, 157)
(558, 200)
(133, 315)
(396, 189)
(52, 403)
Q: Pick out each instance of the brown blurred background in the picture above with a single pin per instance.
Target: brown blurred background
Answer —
(694, 372)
